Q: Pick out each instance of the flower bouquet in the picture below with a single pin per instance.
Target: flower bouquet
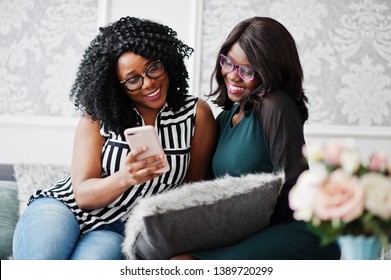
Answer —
(341, 194)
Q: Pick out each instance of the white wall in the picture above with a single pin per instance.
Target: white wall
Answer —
(40, 139)
(367, 139)
(36, 139)
(200, 24)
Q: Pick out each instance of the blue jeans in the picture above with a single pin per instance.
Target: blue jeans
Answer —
(48, 230)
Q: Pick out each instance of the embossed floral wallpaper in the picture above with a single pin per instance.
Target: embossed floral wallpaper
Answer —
(41, 44)
(345, 47)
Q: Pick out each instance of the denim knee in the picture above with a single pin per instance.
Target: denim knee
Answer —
(46, 230)
(101, 244)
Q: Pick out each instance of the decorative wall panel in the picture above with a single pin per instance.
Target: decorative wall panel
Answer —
(345, 49)
(41, 45)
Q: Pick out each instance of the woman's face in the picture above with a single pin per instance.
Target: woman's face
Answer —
(153, 93)
(237, 88)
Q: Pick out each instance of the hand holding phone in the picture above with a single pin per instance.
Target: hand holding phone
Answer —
(146, 136)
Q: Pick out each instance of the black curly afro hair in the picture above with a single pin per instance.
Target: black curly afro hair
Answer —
(97, 91)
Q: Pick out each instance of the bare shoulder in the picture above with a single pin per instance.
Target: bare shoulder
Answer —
(203, 109)
(87, 121)
(203, 142)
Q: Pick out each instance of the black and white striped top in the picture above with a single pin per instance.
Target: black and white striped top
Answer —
(175, 130)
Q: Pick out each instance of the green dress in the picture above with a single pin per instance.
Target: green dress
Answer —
(266, 142)
(236, 153)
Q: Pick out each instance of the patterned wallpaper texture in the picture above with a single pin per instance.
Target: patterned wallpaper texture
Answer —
(345, 48)
(41, 44)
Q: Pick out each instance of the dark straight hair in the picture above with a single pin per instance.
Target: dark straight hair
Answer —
(271, 50)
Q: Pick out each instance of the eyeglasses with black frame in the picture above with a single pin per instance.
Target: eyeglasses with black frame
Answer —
(154, 71)
(246, 73)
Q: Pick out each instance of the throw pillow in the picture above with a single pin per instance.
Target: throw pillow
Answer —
(32, 177)
(201, 215)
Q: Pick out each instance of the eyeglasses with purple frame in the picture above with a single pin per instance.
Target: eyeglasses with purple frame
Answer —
(246, 73)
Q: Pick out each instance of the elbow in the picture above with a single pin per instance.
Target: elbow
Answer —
(81, 201)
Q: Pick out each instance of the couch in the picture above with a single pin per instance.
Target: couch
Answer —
(17, 183)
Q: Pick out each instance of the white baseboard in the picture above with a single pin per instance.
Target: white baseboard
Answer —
(347, 131)
(367, 139)
(30, 139)
(50, 139)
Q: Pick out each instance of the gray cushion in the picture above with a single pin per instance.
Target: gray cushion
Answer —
(32, 177)
(7, 172)
(8, 217)
(201, 215)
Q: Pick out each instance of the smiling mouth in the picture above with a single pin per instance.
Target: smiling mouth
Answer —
(235, 89)
(153, 95)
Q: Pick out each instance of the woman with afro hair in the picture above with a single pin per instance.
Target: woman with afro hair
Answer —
(132, 74)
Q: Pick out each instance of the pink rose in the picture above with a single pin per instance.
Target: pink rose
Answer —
(302, 195)
(341, 198)
(378, 162)
(332, 153)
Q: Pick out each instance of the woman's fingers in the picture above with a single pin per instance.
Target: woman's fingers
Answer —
(147, 163)
(141, 170)
(145, 174)
(133, 155)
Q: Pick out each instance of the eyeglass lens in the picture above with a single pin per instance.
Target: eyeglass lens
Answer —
(246, 73)
(154, 71)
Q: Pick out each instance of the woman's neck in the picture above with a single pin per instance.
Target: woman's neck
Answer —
(238, 116)
(148, 115)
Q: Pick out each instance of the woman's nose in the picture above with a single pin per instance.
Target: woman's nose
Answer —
(148, 82)
(234, 75)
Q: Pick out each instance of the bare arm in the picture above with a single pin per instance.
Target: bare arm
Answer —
(90, 189)
(203, 143)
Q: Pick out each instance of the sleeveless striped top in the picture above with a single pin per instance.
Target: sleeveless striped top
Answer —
(175, 130)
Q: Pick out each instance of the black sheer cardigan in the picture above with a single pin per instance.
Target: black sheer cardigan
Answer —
(283, 128)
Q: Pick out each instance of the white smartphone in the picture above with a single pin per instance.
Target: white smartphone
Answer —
(146, 136)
